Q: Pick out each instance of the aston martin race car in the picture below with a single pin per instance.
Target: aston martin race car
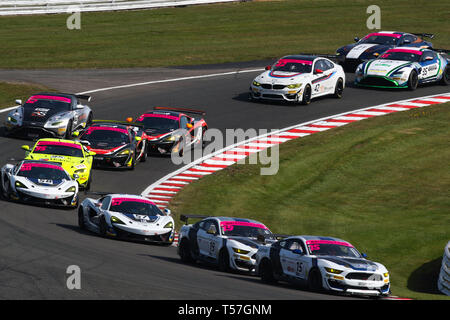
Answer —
(72, 155)
(376, 43)
(404, 67)
(39, 182)
(125, 216)
(49, 115)
(322, 263)
(171, 130)
(230, 243)
(116, 144)
(299, 78)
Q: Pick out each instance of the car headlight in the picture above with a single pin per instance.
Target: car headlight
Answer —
(79, 171)
(57, 123)
(294, 86)
(19, 184)
(359, 70)
(71, 189)
(169, 225)
(170, 139)
(331, 270)
(237, 250)
(398, 73)
(124, 152)
(116, 220)
(11, 119)
(256, 83)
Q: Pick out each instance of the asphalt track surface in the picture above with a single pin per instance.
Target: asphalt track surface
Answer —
(38, 244)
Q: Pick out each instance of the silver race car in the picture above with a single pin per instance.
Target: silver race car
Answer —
(39, 182)
(55, 115)
(126, 216)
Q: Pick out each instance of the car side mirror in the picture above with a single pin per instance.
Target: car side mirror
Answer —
(318, 71)
(297, 251)
(129, 119)
(428, 58)
(363, 255)
(75, 134)
(92, 153)
(98, 204)
(25, 147)
(189, 125)
(79, 106)
(19, 102)
(167, 212)
(268, 68)
(356, 39)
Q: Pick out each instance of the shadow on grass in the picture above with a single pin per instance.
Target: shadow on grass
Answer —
(424, 279)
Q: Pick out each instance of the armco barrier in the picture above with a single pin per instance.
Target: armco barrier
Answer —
(444, 275)
(29, 7)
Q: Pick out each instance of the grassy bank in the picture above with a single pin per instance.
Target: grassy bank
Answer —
(382, 184)
(10, 91)
(208, 33)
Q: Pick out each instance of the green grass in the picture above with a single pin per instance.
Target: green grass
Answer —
(207, 33)
(382, 184)
(10, 91)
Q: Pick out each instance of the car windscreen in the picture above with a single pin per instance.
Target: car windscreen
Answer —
(401, 55)
(100, 138)
(243, 229)
(379, 39)
(293, 65)
(60, 149)
(42, 171)
(332, 248)
(56, 104)
(159, 122)
(134, 207)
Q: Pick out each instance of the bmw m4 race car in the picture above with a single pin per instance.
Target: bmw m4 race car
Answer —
(299, 78)
(404, 67)
(116, 144)
(72, 156)
(126, 216)
(322, 263)
(171, 130)
(230, 243)
(39, 182)
(49, 115)
(376, 43)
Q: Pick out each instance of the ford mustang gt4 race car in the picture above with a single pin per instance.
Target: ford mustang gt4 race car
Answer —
(116, 144)
(299, 78)
(171, 130)
(72, 155)
(126, 216)
(404, 67)
(39, 182)
(49, 115)
(374, 44)
(322, 263)
(230, 243)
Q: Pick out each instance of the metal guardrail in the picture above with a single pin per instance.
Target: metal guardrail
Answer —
(30, 7)
(444, 275)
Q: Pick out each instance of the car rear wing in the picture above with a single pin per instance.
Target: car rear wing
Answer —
(194, 111)
(125, 123)
(186, 217)
(322, 55)
(445, 52)
(83, 97)
(424, 35)
(262, 237)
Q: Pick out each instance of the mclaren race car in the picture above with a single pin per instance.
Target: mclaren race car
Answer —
(39, 182)
(298, 79)
(116, 144)
(322, 263)
(171, 130)
(126, 216)
(374, 44)
(72, 155)
(230, 243)
(404, 67)
(49, 115)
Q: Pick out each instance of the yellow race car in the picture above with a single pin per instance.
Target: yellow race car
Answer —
(73, 157)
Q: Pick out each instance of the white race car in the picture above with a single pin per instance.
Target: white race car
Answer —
(322, 263)
(230, 243)
(127, 217)
(299, 78)
(39, 182)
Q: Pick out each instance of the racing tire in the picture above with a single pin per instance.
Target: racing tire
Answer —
(306, 98)
(4, 193)
(315, 280)
(81, 218)
(68, 134)
(446, 76)
(102, 227)
(339, 89)
(184, 251)
(88, 185)
(413, 80)
(224, 261)
(266, 272)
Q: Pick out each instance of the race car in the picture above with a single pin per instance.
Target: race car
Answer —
(230, 243)
(376, 43)
(404, 67)
(322, 263)
(171, 130)
(125, 216)
(49, 115)
(298, 79)
(116, 144)
(72, 155)
(39, 182)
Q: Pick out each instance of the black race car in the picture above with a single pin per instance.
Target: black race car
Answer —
(374, 44)
(117, 144)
